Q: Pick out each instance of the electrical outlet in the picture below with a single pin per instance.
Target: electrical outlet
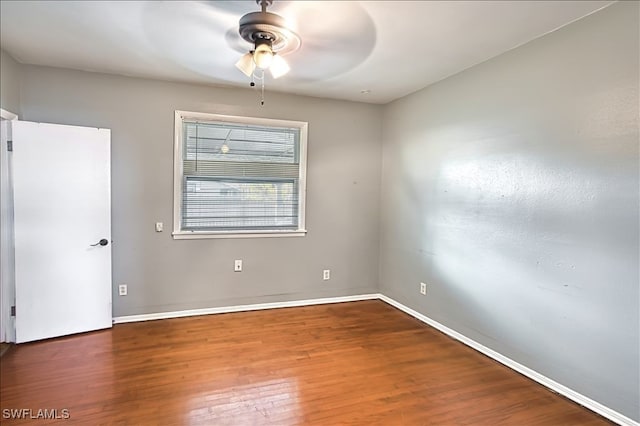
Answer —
(326, 274)
(237, 266)
(423, 288)
(122, 289)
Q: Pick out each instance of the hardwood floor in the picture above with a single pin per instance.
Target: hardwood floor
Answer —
(350, 363)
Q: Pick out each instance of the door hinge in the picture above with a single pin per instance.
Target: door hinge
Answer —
(13, 311)
(10, 146)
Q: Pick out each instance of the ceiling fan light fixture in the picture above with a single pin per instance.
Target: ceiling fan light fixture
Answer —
(271, 38)
(263, 55)
(279, 66)
(246, 64)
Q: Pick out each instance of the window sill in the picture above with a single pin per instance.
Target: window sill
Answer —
(198, 235)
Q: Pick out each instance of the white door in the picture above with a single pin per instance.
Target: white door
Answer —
(62, 214)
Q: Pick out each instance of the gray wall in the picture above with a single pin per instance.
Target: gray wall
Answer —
(343, 187)
(512, 190)
(9, 83)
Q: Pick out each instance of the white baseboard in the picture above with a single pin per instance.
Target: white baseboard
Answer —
(534, 375)
(242, 308)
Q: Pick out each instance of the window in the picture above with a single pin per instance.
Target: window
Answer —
(238, 176)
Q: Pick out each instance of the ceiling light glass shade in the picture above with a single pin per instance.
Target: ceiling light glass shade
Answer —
(246, 64)
(279, 66)
(263, 56)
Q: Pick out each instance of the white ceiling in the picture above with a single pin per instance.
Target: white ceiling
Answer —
(391, 48)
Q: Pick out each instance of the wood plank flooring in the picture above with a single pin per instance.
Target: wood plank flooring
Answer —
(360, 363)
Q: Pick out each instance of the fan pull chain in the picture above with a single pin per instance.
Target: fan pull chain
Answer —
(262, 90)
(261, 79)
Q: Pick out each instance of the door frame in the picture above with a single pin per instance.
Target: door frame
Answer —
(7, 266)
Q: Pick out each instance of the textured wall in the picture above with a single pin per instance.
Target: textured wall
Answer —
(512, 190)
(343, 186)
(9, 83)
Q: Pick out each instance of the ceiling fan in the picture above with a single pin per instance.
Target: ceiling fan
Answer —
(271, 38)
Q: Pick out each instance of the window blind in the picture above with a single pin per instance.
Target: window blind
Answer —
(239, 177)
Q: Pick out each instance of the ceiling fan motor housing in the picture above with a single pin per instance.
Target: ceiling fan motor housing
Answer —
(257, 26)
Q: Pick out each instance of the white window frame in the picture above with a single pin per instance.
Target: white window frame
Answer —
(180, 234)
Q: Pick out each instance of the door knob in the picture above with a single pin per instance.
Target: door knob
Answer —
(102, 242)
